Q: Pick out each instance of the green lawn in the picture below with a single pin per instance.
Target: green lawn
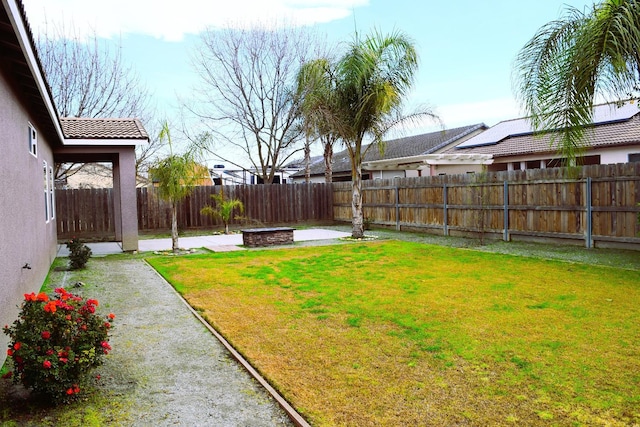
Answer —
(402, 333)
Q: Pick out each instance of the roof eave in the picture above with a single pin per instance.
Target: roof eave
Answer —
(24, 39)
(424, 161)
(115, 142)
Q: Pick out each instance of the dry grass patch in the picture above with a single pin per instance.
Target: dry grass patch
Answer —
(400, 333)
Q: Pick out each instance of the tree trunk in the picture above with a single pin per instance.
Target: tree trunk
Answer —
(307, 160)
(356, 201)
(328, 160)
(174, 227)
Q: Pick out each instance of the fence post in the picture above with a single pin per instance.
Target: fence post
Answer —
(397, 209)
(445, 215)
(589, 243)
(505, 236)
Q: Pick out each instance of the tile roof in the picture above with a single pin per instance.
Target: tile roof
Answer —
(618, 131)
(88, 128)
(415, 145)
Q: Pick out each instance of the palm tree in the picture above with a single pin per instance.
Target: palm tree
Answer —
(175, 175)
(368, 86)
(223, 208)
(572, 61)
(314, 89)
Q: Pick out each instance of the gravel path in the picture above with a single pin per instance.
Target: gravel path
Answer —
(172, 369)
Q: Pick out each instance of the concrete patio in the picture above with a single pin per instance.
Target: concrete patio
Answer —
(220, 242)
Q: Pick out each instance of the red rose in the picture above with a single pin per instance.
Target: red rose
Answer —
(46, 364)
(69, 391)
(42, 297)
(50, 307)
(46, 335)
(111, 316)
(9, 352)
(17, 345)
(30, 297)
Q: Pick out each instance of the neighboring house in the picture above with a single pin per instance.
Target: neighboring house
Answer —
(32, 139)
(201, 172)
(282, 175)
(403, 157)
(614, 137)
(92, 175)
(221, 175)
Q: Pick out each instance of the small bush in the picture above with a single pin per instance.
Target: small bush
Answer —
(56, 342)
(79, 254)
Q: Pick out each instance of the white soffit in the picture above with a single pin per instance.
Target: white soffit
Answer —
(424, 161)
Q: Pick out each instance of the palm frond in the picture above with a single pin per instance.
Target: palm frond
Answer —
(571, 62)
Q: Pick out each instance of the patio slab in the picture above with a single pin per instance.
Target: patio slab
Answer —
(215, 243)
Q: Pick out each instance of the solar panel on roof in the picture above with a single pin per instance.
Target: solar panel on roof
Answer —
(606, 113)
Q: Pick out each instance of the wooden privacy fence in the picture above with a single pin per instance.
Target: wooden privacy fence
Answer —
(600, 204)
(88, 213)
(85, 213)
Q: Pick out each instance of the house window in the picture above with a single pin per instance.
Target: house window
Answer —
(46, 191)
(634, 157)
(52, 197)
(33, 141)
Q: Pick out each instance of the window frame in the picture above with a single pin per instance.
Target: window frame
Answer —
(33, 140)
(45, 167)
(52, 196)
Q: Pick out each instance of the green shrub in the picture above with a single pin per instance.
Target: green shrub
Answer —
(79, 254)
(56, 342)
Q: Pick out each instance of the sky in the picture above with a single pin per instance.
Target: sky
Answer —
(466, 47)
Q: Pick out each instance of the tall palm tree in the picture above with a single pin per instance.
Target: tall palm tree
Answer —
(176, 176)
(362, 97)
(571, 62)
(372, 80)
(314, 85)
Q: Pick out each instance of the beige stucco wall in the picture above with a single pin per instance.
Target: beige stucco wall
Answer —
(615, 155)
(25, 236)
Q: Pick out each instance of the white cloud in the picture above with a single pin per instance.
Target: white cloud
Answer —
(172, 20)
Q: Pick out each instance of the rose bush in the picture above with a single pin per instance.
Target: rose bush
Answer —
(56, 342)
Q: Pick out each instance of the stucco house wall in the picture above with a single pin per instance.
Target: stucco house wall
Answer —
(32, 140)
(28, 240)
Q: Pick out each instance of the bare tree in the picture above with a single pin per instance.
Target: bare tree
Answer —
(88, 78)
(246, 95)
